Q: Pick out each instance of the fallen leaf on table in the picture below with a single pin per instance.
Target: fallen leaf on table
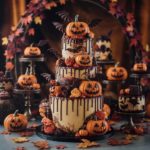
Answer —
(86, 144)
(139, 130)
(130, 137)
(26, 133)
(20, 139)
(116, 142)
(41, 145)
(60, 146)
(5, 132)
(20, 148)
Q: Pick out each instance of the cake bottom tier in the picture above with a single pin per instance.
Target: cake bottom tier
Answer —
(131, 104)
(69, 114)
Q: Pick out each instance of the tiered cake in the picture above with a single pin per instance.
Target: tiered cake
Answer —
(75, 95)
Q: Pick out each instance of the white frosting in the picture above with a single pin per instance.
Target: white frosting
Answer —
(70, 114)
(69, 72)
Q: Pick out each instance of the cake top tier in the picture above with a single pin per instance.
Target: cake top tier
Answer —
(78, 30)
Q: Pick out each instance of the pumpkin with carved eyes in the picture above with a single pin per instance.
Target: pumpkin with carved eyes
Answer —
(90, 88)
(26, 80)
(116, 73)
(77, 29)
(15, 122)
(140, 67)
(83, 60)
(32, 51)
(97, 127)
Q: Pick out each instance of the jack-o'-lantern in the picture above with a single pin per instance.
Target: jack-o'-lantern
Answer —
(36, 86)
(97, 127)
(48, 126)
(55, 90)
(116, 73)
(32, 51)
(90, 88)
(25, 80)
(15, 122)
(77, 29)
(83, 60)
(107, 110)
(140, 67)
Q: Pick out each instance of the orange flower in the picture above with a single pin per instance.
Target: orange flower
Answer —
(9, 66)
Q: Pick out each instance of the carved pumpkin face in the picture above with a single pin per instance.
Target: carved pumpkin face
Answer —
(77, 29)
(32, 51)
(116, 73)
(97, 127)
(139, 67)
(90, 88)
(55, 90)
(83, 60)
(48, 126)
(15, 122)
(26, 80)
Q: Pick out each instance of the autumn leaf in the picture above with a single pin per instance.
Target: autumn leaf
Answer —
(20, 139)
(50, 5)
(19, 31)
(9, 54)
(38, 20)
(26, 20)
(9, 65)
(4, 41)
(31, 32)
(34, 1)
(133, 42)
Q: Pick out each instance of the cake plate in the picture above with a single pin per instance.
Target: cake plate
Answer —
(71, 138)
(130, 125)
(28, 94)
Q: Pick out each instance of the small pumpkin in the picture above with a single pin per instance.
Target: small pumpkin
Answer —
(83, 132)
(83, 59)
(140, 67)
(36, 86)
(32, 51)
(55, 90)
(116, 73)
(77, 29)
(97, 127)
(48, 126)
(15, 122)
(90, 88)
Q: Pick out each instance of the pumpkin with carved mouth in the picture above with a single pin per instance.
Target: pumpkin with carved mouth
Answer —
(77, 29)
(97, 127)
(25, 80)
(116, 73)
(15, 122)
(83, 60)
(32, 51)
(90, 88)
(140, 67)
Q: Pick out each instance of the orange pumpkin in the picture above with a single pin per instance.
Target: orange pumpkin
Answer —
(15, 122)
(55, 90)
(83, 59)
(48, 126)
(36, 86)
(83, 132)
(25, 80)
(97, 127)
(90, 88)
(116, 73)
(32, 51)
(140, 67)
(77, 29)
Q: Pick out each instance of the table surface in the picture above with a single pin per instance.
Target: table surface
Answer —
(6, 143)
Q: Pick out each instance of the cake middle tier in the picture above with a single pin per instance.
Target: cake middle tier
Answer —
(69, 114)
(79, 73)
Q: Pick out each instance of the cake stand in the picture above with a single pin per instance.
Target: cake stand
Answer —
(71, 137)
(128, 127)
(28, 95)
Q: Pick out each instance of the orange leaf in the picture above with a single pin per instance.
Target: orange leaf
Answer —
(31, 32)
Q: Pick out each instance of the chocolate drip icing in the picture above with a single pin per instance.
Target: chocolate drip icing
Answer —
(72, 106)
(91, 102)
(95, 105)
(77, 107)
(87, 105)
(57, 101)
(83, 108)
(66, 107)
(80, 102)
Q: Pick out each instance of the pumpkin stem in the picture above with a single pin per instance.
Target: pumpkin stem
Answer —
(76, 18)
(117, 64)
(15, 113)
(31, 45)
